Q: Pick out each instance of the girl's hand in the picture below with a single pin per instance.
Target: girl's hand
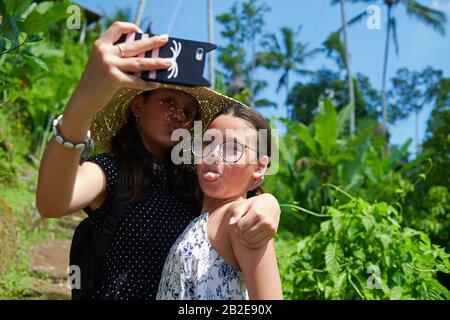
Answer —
(256, 219)
(106, 70)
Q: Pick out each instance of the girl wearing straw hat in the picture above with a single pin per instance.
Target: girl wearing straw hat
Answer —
(132, 121)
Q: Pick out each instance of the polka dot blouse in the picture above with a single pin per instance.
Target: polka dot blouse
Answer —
(145, 233)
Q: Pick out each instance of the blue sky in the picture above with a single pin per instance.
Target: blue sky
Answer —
(420, 46)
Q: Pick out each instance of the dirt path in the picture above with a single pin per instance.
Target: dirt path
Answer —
(49, 262)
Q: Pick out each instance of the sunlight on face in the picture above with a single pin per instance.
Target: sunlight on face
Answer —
(228, 138)
(164, 111)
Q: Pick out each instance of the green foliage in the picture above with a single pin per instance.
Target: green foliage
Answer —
(362, 252)
(40, 63)
(312, 156)
(304, 95)
(412, 90)
(437, 141)
(431, 214)
(242, 28)
(285, 55)
(37, 80)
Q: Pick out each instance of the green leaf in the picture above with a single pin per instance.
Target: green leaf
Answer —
(13, 6)
(38, 61)
(325, 226)
(34, 23)
(333, 258)
(5, 44)
(339, 286)
(326, 127)
(260, 103)
(34, 38)
(340, 157)
(344, 116)
(44, 6)
(396, 293)
(368, 221)
(303, 132)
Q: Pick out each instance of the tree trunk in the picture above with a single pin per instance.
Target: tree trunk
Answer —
(83, 31)
(289, 111)
(252, 72)
(139, 12)
(416, 114)
(212, 77)
(386, 55)
(351, 90)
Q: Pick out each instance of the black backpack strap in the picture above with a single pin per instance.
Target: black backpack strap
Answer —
(109, 228)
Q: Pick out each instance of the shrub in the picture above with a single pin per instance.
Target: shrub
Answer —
(362, 252)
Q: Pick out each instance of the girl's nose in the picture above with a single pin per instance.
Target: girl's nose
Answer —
(214, 156)
(177, 114)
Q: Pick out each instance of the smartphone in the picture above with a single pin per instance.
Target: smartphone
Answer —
(189, 60)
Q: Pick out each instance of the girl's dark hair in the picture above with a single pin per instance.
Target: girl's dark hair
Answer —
(259, 123)
(134, 160)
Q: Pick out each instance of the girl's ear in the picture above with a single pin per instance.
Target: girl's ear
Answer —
(136, 105)
(261, 167)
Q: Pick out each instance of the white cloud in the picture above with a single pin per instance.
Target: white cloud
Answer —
(441, 5)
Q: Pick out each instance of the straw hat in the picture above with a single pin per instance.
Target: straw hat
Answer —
(110, 119)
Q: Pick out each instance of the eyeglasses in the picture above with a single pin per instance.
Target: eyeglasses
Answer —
(230, 151)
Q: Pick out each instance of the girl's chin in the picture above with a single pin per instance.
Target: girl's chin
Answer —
(213, 194)
(211, 189)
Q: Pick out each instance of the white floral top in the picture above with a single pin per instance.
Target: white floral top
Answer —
(195, 271)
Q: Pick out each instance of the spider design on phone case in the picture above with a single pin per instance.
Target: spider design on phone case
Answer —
(173, 69)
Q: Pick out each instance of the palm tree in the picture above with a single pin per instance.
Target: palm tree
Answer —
(120, 14)
(351, 90)
(139, 12)
(211, 39)
(286, 55)
(431, 17)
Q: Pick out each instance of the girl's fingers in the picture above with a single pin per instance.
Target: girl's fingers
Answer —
(257, 242)
(132, 49)
(252, 232)
(113, 33)
(248, 220)
(140, 64)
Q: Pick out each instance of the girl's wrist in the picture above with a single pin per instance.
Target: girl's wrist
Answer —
(79, 103)
(76, 122)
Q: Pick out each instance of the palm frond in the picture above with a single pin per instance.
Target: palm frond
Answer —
(281, 81)
(353, 20)
(393, 23)
(270, 42)
(288, 41)
(305, 72)
(264, 103)
(432, 17)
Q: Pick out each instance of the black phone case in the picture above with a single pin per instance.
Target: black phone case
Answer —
(189, 60)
